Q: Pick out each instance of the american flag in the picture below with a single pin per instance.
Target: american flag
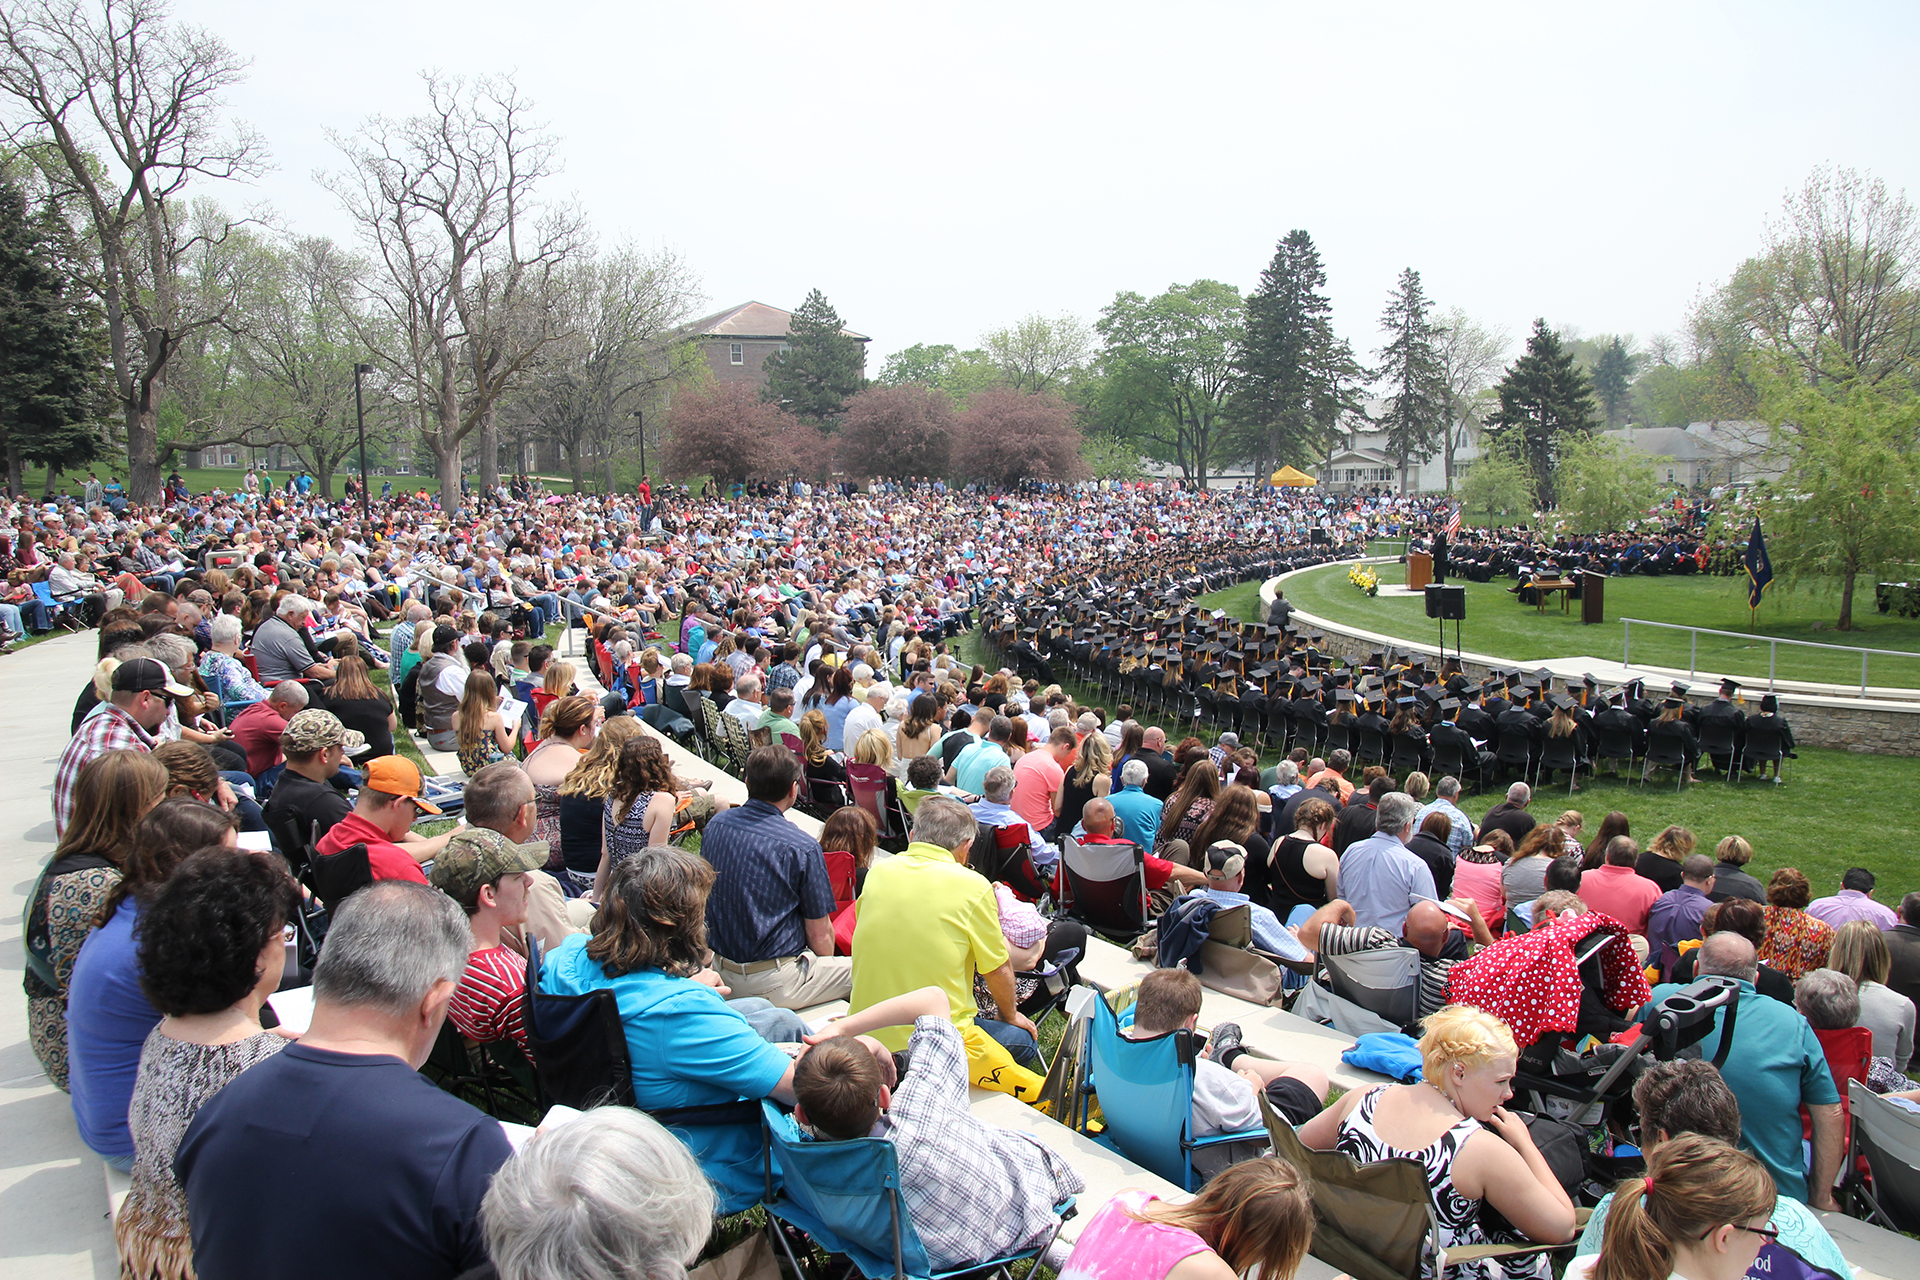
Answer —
(1453, 520)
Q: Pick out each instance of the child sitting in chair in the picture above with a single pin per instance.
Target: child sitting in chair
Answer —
(974, 1191)
(1226, 1078)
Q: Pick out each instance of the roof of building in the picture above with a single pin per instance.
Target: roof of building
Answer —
(750, 320)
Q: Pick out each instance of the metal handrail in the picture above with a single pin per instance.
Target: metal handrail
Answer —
(1773, 643)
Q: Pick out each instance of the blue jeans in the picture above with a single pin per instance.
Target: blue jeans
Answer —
(1017, 1042)
(10, 618)
(248, 809)
(775, 1025)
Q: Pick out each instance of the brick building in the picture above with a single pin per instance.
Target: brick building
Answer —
(737, 341)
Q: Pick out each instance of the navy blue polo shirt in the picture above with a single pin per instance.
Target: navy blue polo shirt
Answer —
(322, 1164)
(769, 881)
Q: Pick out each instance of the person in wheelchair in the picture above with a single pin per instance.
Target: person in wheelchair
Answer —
(973, 1190)
(1227, 1080)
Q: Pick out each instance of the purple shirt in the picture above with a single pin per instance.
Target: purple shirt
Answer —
(1674, 918)
(1849, 905)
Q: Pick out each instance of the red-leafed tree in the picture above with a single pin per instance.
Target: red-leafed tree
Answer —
(807, 451)
(1006, 436)
(728, 432)
(898, 432)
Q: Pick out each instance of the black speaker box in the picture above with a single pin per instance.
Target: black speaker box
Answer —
(1447, 602)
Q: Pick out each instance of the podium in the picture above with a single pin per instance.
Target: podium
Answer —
(1419, 570)
(1593, 597)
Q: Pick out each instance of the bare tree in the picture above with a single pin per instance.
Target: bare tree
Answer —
(1039, 353)
(128, 100)
(618, 312)
(1837, 292)
(465, 258)
(1470, 353)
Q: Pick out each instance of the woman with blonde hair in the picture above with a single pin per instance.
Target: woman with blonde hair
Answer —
(482, 735)
(1660, 861)
(874, 747)
(1796, 941)
(1860, 951)
(112, 794)
(1257, 1213)
(818, 760)
(583, 800)
(557, 679)
(1702, 1212)
(1090, 778)
(1454, 1125)
(1730, 876)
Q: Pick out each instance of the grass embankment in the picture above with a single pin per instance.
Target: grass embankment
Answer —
(1497, 625)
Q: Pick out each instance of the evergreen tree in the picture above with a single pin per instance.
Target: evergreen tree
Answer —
(1612, 379)
(820, 368)
(1543, 397)
(1416, 380)
(49, 371)
(1293, 377)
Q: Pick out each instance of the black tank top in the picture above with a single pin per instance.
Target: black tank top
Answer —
(1287, 876)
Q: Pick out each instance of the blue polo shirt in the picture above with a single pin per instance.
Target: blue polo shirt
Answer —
(689, 1049)
(769, 881)
(1139, 814)
(1776, 1065)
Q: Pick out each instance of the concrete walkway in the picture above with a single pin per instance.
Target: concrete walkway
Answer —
(53, 1196)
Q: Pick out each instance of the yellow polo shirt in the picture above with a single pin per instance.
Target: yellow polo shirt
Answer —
(925, 921)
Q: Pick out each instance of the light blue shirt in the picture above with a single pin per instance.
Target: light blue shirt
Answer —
(1268, 933)
(1139, 815)
(971, 767)
(1462, 831)
(1799, 1230)
(1002, 815)
(1383, 880)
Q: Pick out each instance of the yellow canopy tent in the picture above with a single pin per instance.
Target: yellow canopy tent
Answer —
(1292, 477)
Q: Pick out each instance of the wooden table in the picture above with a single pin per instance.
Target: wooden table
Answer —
(1546, 586)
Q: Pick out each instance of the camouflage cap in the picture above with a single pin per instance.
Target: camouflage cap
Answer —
(314, 730)
(480, 855)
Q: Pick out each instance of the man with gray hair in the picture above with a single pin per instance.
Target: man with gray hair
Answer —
(927, 921)
(1379, 875)
(281, 648)
(1446, 799)
(1775, 1067)
(747, 706)
(1511, 815)
(1138, 812)
(341, 1127)
(406, 631)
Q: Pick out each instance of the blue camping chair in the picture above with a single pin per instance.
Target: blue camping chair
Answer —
(846, 1197)
(56, 611)
(1145, 1089)
(230, 703)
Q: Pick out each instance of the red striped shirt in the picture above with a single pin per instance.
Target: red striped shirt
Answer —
(486, 1004)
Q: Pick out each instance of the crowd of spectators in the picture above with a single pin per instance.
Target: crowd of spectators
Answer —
(232, 735)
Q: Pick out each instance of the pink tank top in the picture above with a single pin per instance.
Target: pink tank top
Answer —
(1118, 1246)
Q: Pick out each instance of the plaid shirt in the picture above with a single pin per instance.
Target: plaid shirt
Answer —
(973, 1190)
(106, 728)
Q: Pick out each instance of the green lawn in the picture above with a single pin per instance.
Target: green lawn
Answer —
(1496, 624)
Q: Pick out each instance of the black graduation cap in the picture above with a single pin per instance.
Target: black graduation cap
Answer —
(1671, 703)
(1563, 702)
(1159, 655)
(1373, 684)
(1449, 705)
(1261, 673)
(1680, 690)
(1407, 701)
(1729, 688)
(1310, 687)
(1769, 704)
(1428, 697)
(1343, 695)
(1588, 680)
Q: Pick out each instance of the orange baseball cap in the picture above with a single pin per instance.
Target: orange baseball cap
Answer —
(398, 776)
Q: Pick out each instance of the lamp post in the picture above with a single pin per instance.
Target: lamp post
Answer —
(360, 415)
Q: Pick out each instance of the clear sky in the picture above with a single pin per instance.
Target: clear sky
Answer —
(938, 170)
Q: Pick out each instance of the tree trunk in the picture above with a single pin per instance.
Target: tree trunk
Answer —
(576, 466)
(53, 477)
(323, 479)
(612, 486)
(143, 456)
(1846, 601)
(489, 451)
(16, 481)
